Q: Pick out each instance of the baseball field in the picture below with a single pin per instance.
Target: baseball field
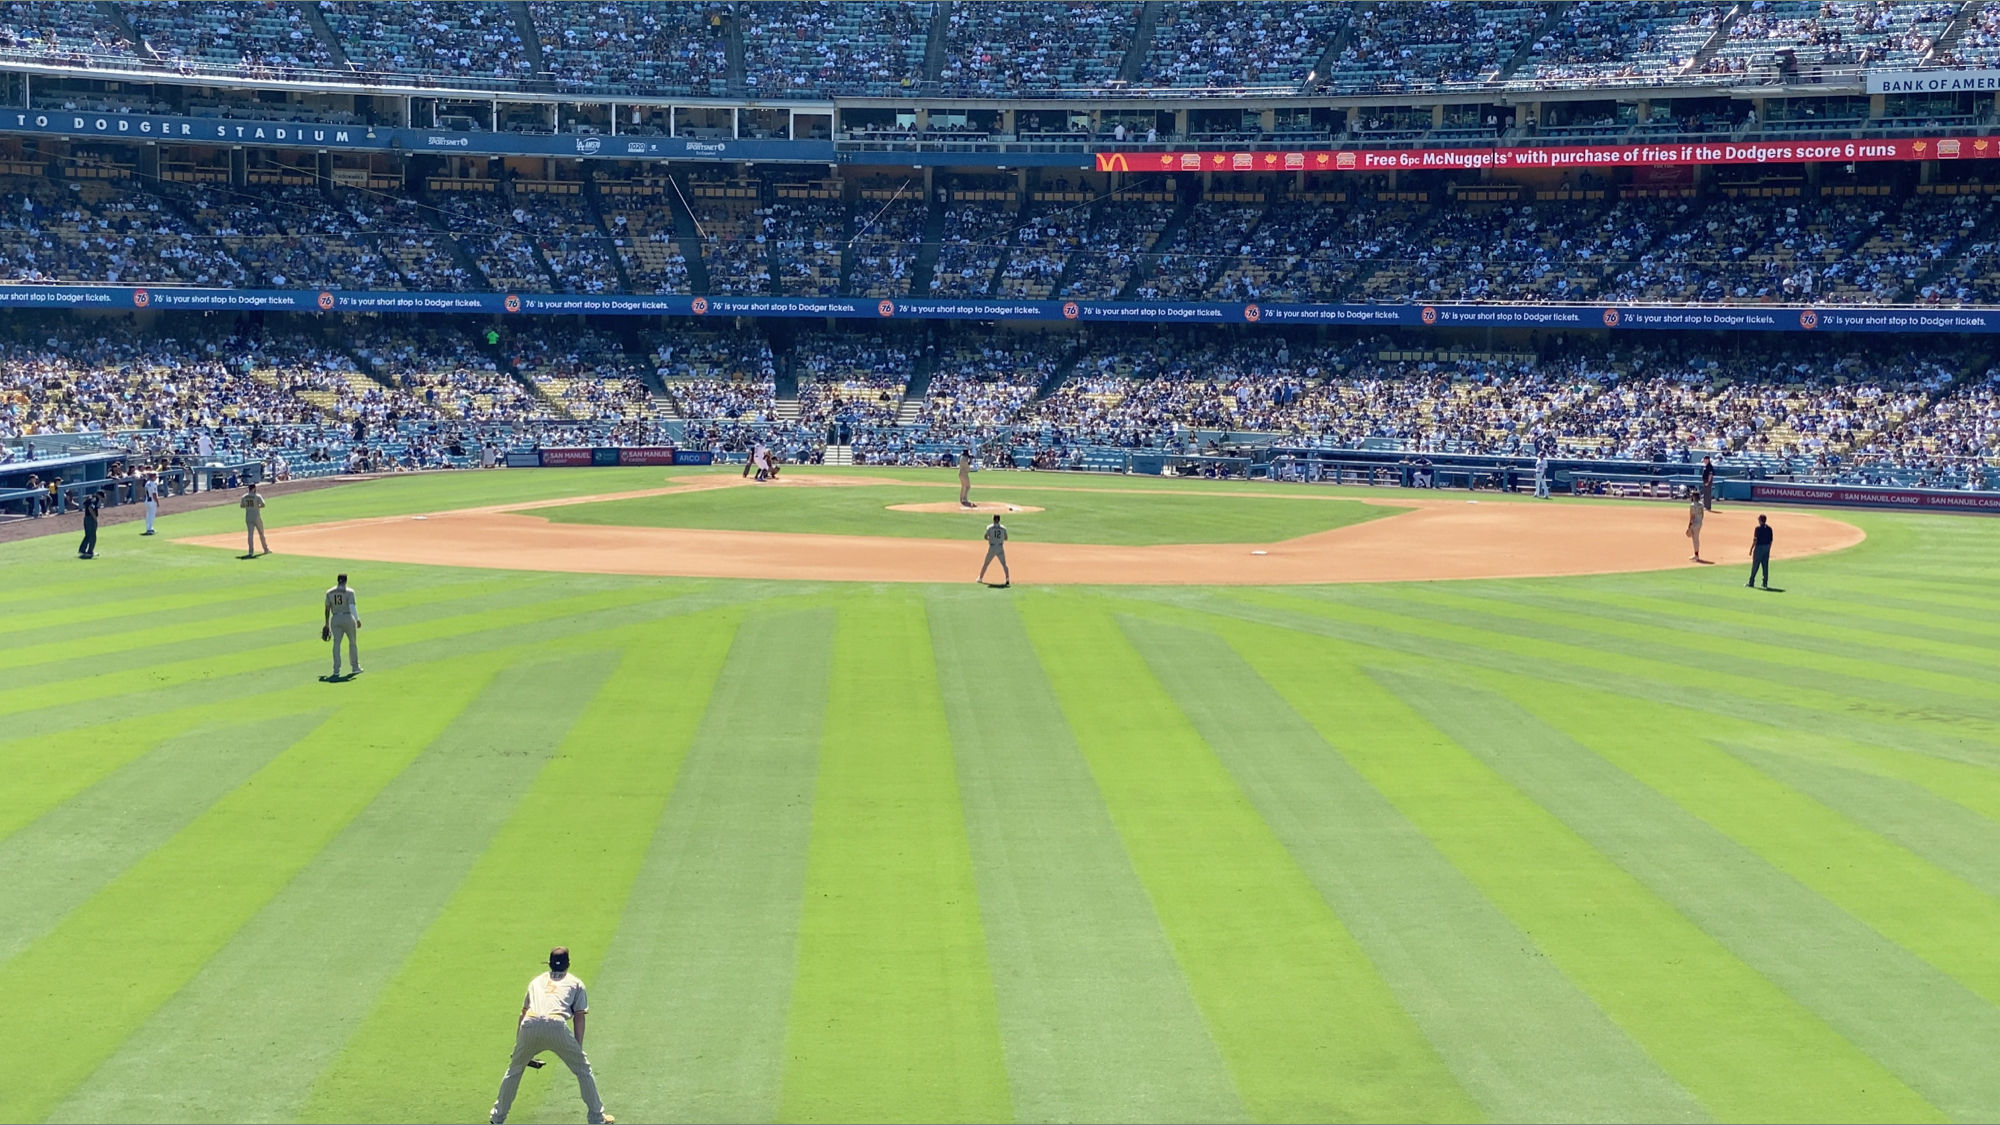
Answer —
(1204, 841)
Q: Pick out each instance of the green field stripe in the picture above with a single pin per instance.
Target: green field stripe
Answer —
(1097, 1019)
(1390, 626)
(1669, 821)
(1308, 1027)
(1929, 911)
(1745, 655)
(1943, 831)
(1917, 650)
(66, 856)
(1721, 1029)
(692, 997)
(270, 1020)
(131, 948)
(1970, 787)
(1518, 1034)
(147, 636)
(893, 1015)
(306, 661)
(44, 770)
(589, 816)
(386, 638)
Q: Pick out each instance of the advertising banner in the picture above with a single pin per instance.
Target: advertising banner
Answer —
(566, 458)
(523, 459)
(1749, 317)
(693, 457)
(383, 138)
(1848, 496)
(1551, 156)
(646, 455)
(1933, 81)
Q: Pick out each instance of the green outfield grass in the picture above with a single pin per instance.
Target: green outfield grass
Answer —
(1070, 513)
(1631, 847)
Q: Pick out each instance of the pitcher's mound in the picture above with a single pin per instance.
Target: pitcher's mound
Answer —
(987, 507)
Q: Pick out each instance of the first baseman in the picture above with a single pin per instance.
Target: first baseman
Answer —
(553, 998)
(996, 548)
(1695, 513)
(342, 619)
(253, 521)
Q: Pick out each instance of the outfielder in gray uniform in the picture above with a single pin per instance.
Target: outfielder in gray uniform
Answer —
(554, 998)
(342, 619)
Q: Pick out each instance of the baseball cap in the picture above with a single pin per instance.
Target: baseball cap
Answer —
(559, 959)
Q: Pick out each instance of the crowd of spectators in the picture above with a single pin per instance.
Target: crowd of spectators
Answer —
(1232, 45)
(627, 48)
(1832, 407)
(850, 380)
(717, 375)
(887, 239)
(52, 31)
(264, 38)
(95, 230)
(1000, 48)
(817, 48)
(1003, 47)
(470, 39)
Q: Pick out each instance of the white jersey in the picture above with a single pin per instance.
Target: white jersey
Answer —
(996, 534)
(253, 507)
(1695, 514)
(555, 997)
(152, 490)
(340, 605)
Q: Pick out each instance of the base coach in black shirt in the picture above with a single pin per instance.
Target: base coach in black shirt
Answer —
(1760, 553)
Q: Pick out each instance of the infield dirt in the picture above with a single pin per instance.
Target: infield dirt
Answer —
(1433, 538)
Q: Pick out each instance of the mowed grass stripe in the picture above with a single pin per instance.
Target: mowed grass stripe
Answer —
(1306, 1024)
(1944, 832)
(892, 1015)
(384, 643)
(1940, 917)
(44, 770)
(145, 638)
(583, 827)
(1913, 651)
(396, 635)
(63, 858)
(1098, 1021)
(1517, 1033)
(305, 662)
(268, 1018)
(1926, 1028)
(1722, 1030)
(132, 947)
(1388, 624)
(690, 1004)
(1745, 656)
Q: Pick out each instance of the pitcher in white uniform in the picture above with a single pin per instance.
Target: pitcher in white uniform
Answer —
(343, 619)
(553, 998)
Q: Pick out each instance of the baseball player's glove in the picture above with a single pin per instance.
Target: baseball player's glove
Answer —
(326, 632)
